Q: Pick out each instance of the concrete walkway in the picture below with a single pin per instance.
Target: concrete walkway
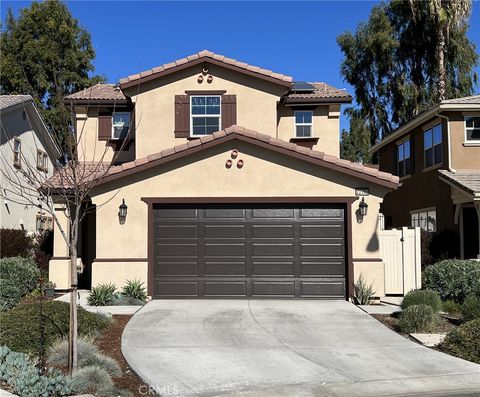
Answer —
(282, 348)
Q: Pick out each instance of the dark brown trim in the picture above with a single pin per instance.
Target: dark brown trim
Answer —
(120, 260)
(198, 61)
(301, 101)
(257, 142)
(367, 259)
(205, 92)
(60, 258)
(103, 102)
(348, 224)
(310, 139)
(151, 253)
(246, 200)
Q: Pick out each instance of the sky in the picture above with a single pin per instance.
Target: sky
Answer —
(294, 38)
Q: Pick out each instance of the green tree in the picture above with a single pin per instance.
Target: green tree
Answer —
(47, 54)
(393, 61)
(356, 142)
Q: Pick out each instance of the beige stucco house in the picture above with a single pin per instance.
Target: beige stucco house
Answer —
(25, 144)
(233, 186)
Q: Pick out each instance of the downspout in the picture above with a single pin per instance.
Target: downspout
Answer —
(449, 145)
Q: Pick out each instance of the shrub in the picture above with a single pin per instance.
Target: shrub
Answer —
(417, 318)
(22, 375)
(451, 307)
(454, 279)
(471, 308)
(43, 249)
(101, 295)
(363, 291)
(464, 341)
(58, 353)
(92, 379)
(15, 242)
(135, 289)
(18, 276)
(123, 300)
(422, 297)
(22, 326)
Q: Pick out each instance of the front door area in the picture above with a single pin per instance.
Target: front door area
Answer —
(470, 233)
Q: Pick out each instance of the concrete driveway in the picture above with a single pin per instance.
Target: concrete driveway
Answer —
(282, 348)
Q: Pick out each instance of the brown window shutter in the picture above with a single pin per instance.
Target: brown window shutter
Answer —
(182, 116)
(104, 128)
(229, 110)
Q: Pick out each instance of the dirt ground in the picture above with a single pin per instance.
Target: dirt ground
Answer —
(444, 325)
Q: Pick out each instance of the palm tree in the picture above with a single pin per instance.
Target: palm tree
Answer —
(443, 14)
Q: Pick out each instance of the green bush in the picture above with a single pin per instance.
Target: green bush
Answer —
(363, 291)
(15, 242)
(22, 375)
(422, 297)
(464, 341)
(102, 295)
(21, 328)
(93, 379)
(135, 289)
(18, 276)
(417, 318)
(471, 308)
(123, 300)
(451, 307)
(454, 279)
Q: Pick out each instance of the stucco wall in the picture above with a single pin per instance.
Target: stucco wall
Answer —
(16, 123)
(464, 157)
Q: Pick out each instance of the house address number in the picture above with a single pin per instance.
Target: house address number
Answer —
(362, 191)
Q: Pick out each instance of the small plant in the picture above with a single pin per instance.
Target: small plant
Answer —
(417, 318)
(100, 360)
(135, 289)
(451, 307)
(92, 379)
(454, 279)
(464, 341)
(471, 308)
(422, 297)
(101, 295)
(363, 292)
(57, 354)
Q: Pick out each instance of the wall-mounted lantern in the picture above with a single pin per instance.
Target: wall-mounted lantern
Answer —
(122, 212)
(363, 207)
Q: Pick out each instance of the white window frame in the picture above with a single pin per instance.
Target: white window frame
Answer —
(302, 124)
(425, 211)
(17, 161)
(113, 124)
(42, 165)
(466, 140)
(434, 164)
(192, 116)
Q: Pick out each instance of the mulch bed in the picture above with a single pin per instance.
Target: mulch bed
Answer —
(109, 342)
(444, 326)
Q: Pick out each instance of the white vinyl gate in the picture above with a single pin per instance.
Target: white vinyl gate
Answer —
(400, 250)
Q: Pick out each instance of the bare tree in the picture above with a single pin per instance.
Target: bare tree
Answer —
(74, 179)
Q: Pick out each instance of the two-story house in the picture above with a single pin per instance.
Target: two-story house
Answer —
(25, 144)
(437, 157)
(226, 183)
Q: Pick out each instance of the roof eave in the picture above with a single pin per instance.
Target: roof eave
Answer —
(104, 102)
(315, 101)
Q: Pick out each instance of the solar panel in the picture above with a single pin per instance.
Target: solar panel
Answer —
(302, 86)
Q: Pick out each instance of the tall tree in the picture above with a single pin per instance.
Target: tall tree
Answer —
(47, 54)
(393, 61)
(357, 141)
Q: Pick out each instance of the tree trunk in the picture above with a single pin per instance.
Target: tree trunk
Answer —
(441, 64)
(73, 330)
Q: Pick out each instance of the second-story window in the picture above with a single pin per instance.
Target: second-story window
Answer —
(404, 162)
(120, 125)
(205, 114)
(17, 152)
(303, 123)
(472, 129)
(432, 146)
(42, 160)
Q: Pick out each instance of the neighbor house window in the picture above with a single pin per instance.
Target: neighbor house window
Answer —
(17, 152)
(205, 114)
(120, 125)
(303, 123)
(42, 160)
(424, 219)
(404, 162)
(44, 223)
(432, 146)
(472, 129)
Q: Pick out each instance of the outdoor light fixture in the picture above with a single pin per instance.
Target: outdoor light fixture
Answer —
(363, 207)
(122, 212)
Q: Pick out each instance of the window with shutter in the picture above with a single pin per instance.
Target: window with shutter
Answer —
(229, 110)
(182, 116)
(104, 128)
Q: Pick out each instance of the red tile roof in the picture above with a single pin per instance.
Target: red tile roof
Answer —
(98, 92)
(322, 91)
(254, 137)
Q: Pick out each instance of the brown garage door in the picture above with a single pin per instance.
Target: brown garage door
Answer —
(249, 251)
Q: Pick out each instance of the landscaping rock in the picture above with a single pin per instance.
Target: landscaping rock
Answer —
(429, 340)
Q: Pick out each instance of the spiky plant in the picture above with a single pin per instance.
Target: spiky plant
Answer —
(363, 292)
(135, 289)
(58, 353)
(91, 379)
(100, 360)
(102, 294)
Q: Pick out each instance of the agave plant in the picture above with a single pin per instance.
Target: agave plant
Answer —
(135, 289)
(102, 294)
(363, 292)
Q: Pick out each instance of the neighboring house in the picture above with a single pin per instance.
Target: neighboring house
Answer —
(25, 143)
(437, 157)
(219, 210)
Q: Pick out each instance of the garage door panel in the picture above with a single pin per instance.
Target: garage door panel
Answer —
(273, 268)
(232, 213)
(176, 231)
(224, 250)
(176, 250)
(176, 269)
(176, 288)
(327, 289)
(176, 213)
(225, 231)
(321, 231)
(225, 288)
(272, 231)
(322, 250)
(269, 213)
(322, 269)
(277, 250)
(225, 268)
(272, 288)
(333, 213)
